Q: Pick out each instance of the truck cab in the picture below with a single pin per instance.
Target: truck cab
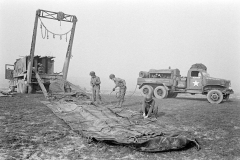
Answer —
(195, 80)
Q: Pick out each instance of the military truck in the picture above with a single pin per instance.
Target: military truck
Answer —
(17, 74)
(167, 83)
(20, 74)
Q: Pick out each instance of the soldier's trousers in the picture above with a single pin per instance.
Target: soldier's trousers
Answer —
(96, 93)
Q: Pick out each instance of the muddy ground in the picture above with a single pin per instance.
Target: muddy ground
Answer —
(29, 130)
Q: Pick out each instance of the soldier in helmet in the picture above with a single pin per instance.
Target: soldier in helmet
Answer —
(95, 83)
(148, 106)
(122, 88)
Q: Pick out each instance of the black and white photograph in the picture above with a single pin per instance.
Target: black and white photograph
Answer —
(120, 80)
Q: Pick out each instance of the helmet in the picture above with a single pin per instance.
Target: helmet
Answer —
(112, 76)
(92, 73)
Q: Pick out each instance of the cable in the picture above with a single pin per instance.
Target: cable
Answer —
(130, 95)
(53, 32)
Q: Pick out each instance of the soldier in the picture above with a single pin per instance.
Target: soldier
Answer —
(148, 107)
(95, 83)
(122, 88)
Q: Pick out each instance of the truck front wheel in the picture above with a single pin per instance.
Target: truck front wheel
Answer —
(215, 96)
(24, 87)
(160, 92)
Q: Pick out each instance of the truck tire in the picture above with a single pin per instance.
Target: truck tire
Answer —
(31, 89)
(18, 87)
(160, 92)
(21, 87)
(148, 87)
(24, 88)
(215, 96)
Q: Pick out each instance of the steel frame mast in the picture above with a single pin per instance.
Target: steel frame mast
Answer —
(60, 16)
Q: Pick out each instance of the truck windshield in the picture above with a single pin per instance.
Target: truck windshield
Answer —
(205, 74)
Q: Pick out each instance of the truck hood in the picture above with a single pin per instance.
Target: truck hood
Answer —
(218, 81)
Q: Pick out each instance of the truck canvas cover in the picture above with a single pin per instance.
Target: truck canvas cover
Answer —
(115, 125)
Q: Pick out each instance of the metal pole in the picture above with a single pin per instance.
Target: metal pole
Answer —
(30, 62)
(69, 50)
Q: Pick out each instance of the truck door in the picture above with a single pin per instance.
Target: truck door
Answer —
(195, 80)
(9, 71)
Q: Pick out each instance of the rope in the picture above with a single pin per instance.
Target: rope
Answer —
(117, 96)
(42, 32)
(48, 31)
(130, 95)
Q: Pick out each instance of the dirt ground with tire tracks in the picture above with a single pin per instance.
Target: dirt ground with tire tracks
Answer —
(29, 130)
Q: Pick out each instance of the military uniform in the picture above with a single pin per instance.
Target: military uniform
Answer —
(95, 83)
(148, 106)
(122, 87)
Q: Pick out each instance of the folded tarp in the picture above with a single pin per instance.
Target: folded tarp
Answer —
(118, 126)
(59, 88)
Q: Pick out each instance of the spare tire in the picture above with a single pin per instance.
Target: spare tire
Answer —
(160, 92)
(148, 89)
(143, 74)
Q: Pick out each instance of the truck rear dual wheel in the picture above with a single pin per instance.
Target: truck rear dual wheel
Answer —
(215, 96)
(21, 87)
(146, 90)
(160, 92)
(31, 89)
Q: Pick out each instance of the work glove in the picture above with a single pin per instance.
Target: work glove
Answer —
(145, 117)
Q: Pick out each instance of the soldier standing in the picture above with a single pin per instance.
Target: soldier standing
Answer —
(122, 88)
(95, 83)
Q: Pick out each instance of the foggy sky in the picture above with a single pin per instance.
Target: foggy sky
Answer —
(128, 36)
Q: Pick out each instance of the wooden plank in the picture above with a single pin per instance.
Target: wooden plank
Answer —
(41, 85)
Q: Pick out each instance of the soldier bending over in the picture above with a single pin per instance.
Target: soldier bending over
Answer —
(122, 88)
(148, 106)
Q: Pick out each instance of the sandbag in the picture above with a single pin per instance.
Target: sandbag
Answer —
(199, 66)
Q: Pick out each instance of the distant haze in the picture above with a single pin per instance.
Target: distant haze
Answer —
(127, 36)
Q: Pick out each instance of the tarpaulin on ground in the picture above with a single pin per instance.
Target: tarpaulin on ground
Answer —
(118, 126)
